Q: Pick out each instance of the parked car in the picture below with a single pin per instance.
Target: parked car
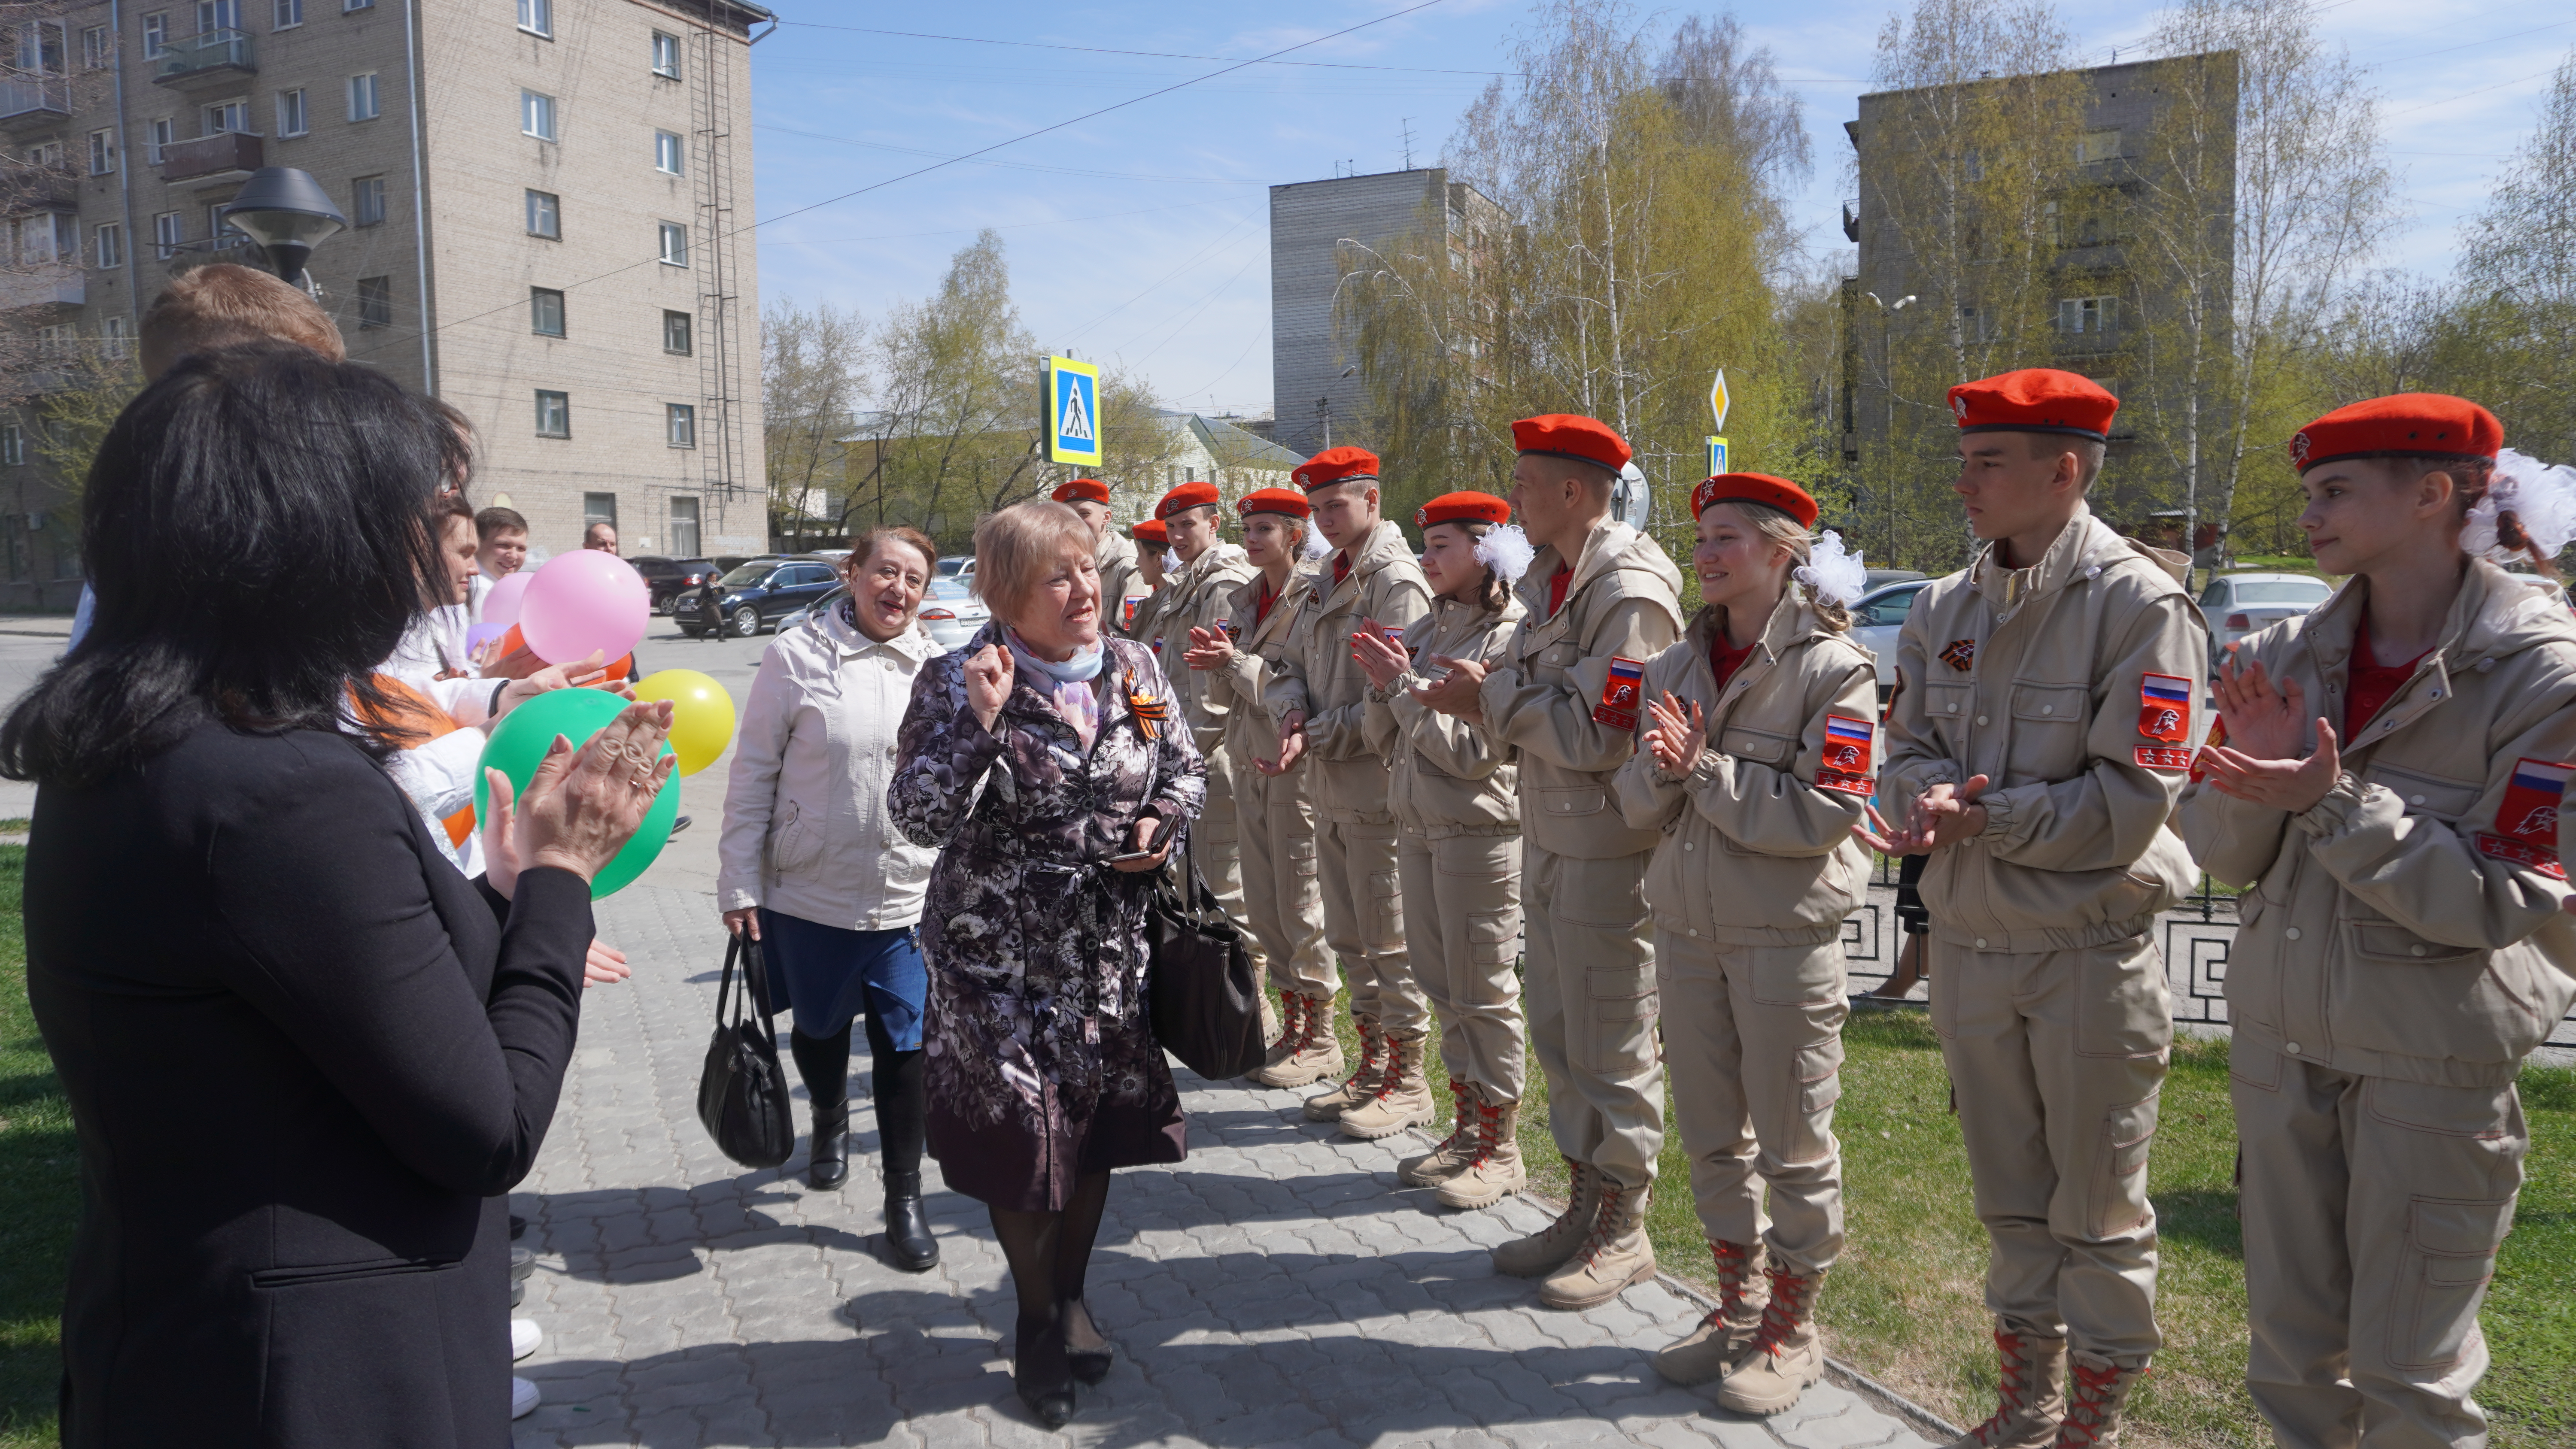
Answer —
(1878, 617)
(2240, 604)
(1881, 578)
(755, 596)
(954, 564)
(665, 576)
(950, 612)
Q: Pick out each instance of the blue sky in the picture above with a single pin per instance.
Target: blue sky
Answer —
(1141, 236)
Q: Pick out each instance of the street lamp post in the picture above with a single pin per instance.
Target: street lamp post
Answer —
(288, 213)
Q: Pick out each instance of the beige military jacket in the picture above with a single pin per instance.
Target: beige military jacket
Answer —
(1624, 601)
(1251, 735)
(2074, 686)
(1317, 674)
(1757, 848)
(2408, 925)
(1117, 561)
(1201, 596)
(1446, 776)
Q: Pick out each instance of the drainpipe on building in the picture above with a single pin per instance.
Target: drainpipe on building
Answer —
(419, 200)
(125, 177)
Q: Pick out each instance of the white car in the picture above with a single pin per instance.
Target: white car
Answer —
(1876, 620)
(2240, 604)
(950, 612)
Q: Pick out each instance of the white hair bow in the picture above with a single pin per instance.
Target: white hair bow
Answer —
(1831, 575)
(1507, 551)
(2541, 496)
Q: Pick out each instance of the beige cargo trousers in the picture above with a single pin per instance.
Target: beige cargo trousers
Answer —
(1464, 935)
(1282, 899)
(1589, 992)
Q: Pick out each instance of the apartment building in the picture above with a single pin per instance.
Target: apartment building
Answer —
(545, 200)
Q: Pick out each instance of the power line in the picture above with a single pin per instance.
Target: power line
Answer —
(1270, 59)
(1013, 165)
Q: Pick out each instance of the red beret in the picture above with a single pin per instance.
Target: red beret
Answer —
(2035, 400)
(1336, 465)
(1462, 508)
(2410, 424)
(1780, 493)
(1563, 435)
(1082, 490)
(1151, 531)
(1275, 500)
(1188, 495)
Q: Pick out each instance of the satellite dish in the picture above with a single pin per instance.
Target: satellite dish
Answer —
(1632, 498)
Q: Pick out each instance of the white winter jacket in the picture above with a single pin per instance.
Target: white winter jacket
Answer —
(805, 824)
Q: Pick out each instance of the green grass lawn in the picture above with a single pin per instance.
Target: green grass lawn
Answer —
(39, 1195)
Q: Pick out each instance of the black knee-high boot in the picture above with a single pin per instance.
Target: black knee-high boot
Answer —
(896, 1083)
(824, 1063)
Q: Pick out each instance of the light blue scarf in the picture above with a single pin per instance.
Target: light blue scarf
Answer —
(1070, 683)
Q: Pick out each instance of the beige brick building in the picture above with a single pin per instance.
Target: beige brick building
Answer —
(545, 200)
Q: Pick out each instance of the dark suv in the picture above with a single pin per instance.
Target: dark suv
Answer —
(755, 595)
(666, 576)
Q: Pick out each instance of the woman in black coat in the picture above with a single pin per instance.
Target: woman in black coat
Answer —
(305, 1057)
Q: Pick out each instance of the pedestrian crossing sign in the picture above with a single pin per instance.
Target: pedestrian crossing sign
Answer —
(1072, 412)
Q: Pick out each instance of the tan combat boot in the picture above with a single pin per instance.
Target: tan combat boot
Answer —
(1546, 1250)
(1495, 1171)
(1317, 1053)
(1613, 1258)
(1787, 1354)
(1441, 1163)
(1728, 1330)
(1360, 1085)
(2101, 1392)
(1402, 1098)
(2031, 1395)
(1292, 1032)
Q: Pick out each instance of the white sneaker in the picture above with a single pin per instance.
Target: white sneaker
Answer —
(525, 1337)
(523, 1397)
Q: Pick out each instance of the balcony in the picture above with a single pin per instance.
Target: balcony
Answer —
(49, 286)
(33, 105)
(203, 62)
(209, 160)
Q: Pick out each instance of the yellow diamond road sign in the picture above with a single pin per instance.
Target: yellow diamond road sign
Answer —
(1072, 412)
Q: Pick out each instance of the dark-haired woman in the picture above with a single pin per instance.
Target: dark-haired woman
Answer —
(306, 1057)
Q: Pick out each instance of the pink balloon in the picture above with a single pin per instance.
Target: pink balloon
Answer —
(502, 605)
(585, 602)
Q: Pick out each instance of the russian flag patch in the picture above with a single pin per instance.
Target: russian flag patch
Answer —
(1621, 694)
(2530, 807)
(2164, 708)
(1845, 766)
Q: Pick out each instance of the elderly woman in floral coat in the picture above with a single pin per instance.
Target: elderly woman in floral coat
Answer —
(1051, 770)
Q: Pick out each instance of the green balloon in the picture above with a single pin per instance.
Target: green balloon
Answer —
(518, 745)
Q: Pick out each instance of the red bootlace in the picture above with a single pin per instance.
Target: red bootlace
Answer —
(1464, 1126)
(1292, 1022)
(1489, 1134)
(1393, 1081)
(2093, 1388)
(2010, 1390)
(1791, 1296)
(1604, 1215)
(1734, 1268)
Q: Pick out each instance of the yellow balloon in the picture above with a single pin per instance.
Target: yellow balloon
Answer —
(701, 714)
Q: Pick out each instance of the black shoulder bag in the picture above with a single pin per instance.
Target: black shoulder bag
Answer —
(742, 1093)
(1206, 1006)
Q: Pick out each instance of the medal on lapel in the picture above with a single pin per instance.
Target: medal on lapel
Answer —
(1149, 711)
(1620, 694)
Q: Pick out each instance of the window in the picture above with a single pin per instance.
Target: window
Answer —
(2088, 314)
(226, 117)
(157, 135)
(289, 14)
(2048, 224)
(367, 201)
(168, 230)
(2096, 146)
(537, 115)
(375, 302)
(1887, 610)
(48, 236)
(98, 48)
(545, 312)
(45, 154)
(156, 35)
(362, 97)
(1980, 324)
(675, 333)
(290, 113)
(214, 15)
(112, 338)
(56, 341)
(545, 215)
(666, 153)
(537, 17)
(222, 235)
(666, 62)
(680, 425)
(102, 153)
(598, 508)
(40, 48)
(684, 528)
(675, 244)
(554, 414)
(13, 443)
(110, 239)
(348, 5)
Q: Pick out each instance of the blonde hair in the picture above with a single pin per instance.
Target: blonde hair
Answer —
(1776, 525)
(1018, 547)
(227, 305)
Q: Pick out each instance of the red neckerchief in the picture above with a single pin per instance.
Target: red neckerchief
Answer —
(1556, 586)
(1262, 601)
(2372, 684)
(1341, 567)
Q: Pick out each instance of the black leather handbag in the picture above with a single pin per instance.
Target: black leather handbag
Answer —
(742, 1092)
(1206, 1005)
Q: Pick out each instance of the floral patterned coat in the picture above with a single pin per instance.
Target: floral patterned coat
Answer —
(1042, 1061)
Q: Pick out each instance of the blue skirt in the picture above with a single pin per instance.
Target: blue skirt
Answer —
(827, 976)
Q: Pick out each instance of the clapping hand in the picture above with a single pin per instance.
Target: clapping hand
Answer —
(1943, 815)
(1459, 691)
(1292, 744)
(2260, 761)
(1209, 649)
(988, 683)
(1383, 662)
(1676, 739)
(582, 805)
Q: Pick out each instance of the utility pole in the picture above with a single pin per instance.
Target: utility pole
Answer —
(1408, 143)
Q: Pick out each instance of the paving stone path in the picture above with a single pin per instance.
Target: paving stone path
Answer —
(1274, 1289)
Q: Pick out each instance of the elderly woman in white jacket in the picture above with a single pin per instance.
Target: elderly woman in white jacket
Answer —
(810, 864)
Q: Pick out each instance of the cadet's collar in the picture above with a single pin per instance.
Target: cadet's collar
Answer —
(2071, 555)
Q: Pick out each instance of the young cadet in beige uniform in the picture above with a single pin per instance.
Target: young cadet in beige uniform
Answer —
(2390, 785)
(1457, 802)
(1602, 601)
(1755, 769)
(1116, 555)
(1153, 544)
(2036, 752)
(1200, 597)
(1281, 896)
(1320, 699)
